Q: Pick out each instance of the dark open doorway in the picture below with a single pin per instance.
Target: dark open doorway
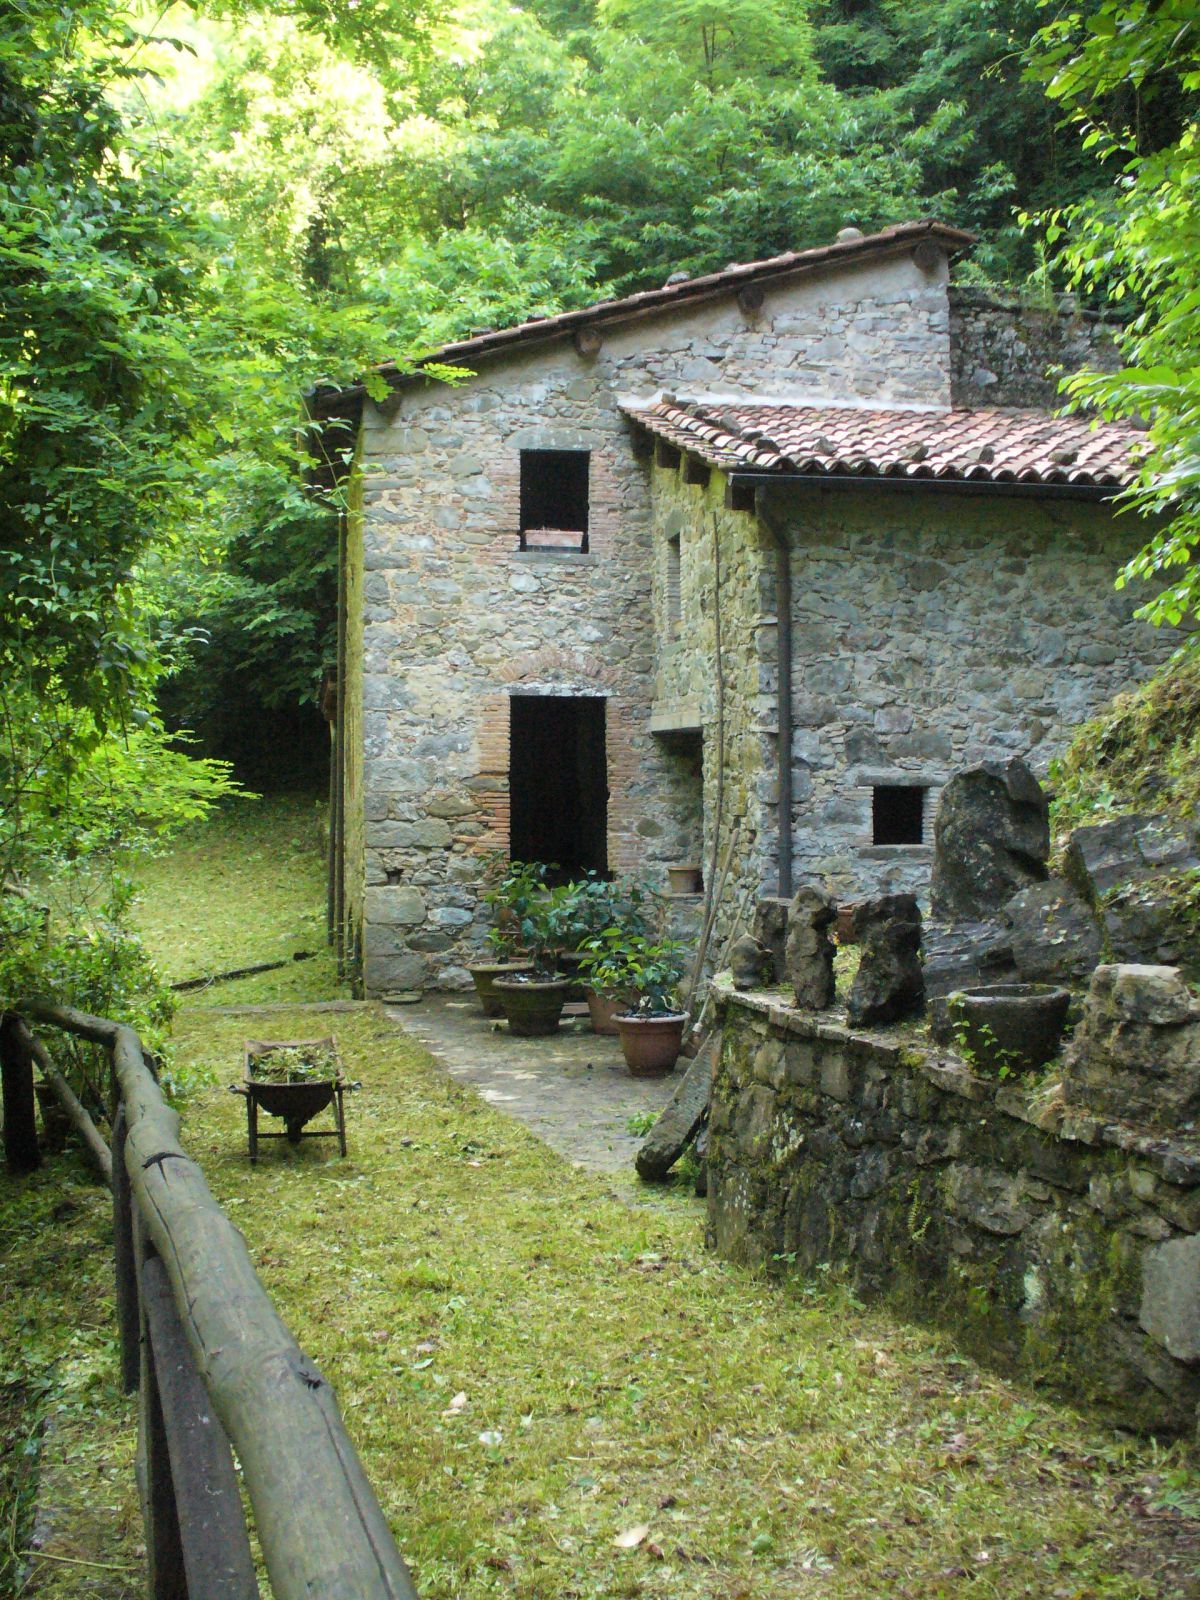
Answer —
(558, 783)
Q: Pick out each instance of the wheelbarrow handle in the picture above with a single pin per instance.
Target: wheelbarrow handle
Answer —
(237, 1088)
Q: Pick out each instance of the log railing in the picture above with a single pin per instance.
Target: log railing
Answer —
(213, 1365)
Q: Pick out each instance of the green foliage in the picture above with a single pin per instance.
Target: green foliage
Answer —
(1138, 241)
(591, 904)
(527, 918)
(1140, 753)
(643, 973)
(100, 260)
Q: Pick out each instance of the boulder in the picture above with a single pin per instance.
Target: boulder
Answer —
(1135, 1056)
(770, 929)
(1128, 850)
(808, 956)
(1053, 934)
(962, 953)
(889, 984)
(749, 963)
(1130, 870)
(991, 839)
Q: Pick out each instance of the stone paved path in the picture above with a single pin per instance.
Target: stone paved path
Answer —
(573, 1090)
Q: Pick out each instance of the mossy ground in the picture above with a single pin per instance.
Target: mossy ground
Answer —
(531, 1369)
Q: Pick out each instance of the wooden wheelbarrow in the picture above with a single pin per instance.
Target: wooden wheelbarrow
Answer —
(296, 1103)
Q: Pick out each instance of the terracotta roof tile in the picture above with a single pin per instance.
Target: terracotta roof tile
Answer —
(986, 446)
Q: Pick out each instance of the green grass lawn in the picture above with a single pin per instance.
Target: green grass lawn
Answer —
(245, 886)
(558, 1395)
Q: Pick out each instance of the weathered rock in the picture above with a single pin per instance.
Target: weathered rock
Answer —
(749, 963)
(991, 838)
(700, 1151)
(682, 1115)
(808, 957)
(1053, 934)
(1128, 850)
(1129, 869)
(770, 928)
(957, 956)
(1170, 1310)
(1136, 1053)
(889, 984)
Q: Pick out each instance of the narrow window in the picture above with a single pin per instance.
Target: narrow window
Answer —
(898, 813)
(554, 499)
(673, 601)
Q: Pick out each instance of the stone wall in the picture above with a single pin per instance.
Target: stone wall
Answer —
(456, 618)
(1063, 1244)
(354, 844)
(686, 676)
(931, 630)
(1008, 351)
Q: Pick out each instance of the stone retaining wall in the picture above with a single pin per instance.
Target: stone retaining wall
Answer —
(1008, 351)
(1065, 1245)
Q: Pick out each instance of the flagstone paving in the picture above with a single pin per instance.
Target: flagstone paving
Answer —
(573, 1089)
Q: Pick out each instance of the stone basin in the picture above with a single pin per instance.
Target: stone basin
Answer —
(1007, 1026)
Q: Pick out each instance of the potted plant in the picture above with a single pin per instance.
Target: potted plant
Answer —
(588, 906)
(512, 886)
(642, 974)
(532, 999)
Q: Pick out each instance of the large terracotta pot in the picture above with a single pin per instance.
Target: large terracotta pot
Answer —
(485, 975)
(603, 1012)
(532, 1009)
(651, 1045)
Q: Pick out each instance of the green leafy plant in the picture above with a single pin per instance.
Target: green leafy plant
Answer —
(590, 904)
(530, 918)
(640, 972)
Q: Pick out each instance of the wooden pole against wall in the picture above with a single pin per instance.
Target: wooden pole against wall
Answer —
(21, 1153)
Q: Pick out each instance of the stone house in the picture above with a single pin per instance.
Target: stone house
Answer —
(740, 567)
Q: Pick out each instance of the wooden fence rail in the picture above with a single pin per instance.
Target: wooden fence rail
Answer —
(215, 1367)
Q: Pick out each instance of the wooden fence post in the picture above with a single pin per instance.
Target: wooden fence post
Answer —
(128, 1313)
(204, 1529)
(21, 1153)
(165, 1576)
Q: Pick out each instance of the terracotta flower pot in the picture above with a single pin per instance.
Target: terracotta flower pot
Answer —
(683, 879)
(651, 1045)
(485, 974)
(603, 1012)
(532, 1008)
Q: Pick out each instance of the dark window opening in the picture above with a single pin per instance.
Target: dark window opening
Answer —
(898, 813)
(554, 499)
(558, 783)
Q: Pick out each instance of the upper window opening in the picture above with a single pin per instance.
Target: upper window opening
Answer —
(554, 499)
(898, 813)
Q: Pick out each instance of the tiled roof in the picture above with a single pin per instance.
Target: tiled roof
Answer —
(845, 252)
(984, 446)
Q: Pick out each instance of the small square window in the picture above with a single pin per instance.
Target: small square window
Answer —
(554, 499)
(898, 813)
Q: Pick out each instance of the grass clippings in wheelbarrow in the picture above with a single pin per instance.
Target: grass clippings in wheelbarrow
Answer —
(298, 1063)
